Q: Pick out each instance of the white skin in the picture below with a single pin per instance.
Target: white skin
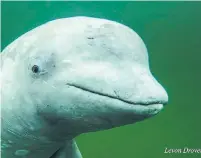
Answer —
(71, 76)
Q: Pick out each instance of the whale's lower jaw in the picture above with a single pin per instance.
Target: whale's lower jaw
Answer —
(149, 108)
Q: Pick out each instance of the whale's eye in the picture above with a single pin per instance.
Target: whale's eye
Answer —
(35, 69)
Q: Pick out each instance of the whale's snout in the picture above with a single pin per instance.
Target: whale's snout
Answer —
(164, 96)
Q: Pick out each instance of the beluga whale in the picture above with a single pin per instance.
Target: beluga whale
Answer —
(71, 76)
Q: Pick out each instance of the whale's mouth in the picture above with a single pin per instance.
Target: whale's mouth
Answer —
(154, 106)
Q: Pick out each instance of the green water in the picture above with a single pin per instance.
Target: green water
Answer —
(172, 33)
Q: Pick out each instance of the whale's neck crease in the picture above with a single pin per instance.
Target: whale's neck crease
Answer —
(70, 150)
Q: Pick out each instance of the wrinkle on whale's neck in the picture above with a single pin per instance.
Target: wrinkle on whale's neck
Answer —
(69, 150)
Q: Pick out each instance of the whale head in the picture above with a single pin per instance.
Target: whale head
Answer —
(81, 74)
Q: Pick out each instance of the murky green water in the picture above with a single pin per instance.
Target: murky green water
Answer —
(172, 33)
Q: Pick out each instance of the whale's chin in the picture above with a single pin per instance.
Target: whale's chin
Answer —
(130, 114)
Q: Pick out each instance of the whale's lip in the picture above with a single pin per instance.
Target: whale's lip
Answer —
(154, 105)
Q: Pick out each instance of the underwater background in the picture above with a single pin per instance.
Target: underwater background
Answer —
(172, 34)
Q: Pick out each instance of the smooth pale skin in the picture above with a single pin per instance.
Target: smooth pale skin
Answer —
(93, 75)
